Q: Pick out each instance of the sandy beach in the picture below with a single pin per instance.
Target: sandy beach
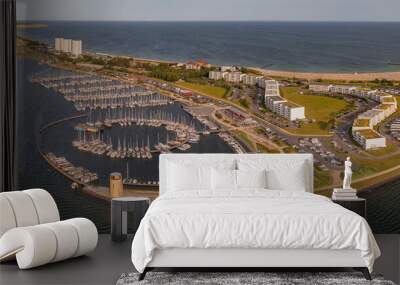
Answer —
(368, 76)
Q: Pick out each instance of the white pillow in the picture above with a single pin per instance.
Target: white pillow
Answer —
(223, 179)
(184, 178)
(251, 178)
(290, 175)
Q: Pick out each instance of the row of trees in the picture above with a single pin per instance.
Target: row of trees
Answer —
(170, 73)
(115, 61)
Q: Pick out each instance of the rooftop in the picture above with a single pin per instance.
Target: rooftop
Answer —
(292, 105)
(361, 123)
(369, 134)
(277, 98)
(370, 113)
(383, 107)
(388, 100)
(382, 94)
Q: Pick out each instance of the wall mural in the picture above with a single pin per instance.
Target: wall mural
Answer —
(96, 98)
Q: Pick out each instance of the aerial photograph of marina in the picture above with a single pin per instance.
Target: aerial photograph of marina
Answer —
(98, 97)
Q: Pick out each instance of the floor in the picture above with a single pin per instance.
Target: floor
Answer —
(110, 260)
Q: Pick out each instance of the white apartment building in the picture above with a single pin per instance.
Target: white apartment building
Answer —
(272, 88)
(320, 88)
(251, 79)
(293, 112)
(66, 46)
(237, 77)
(379, 97)
(234, 77)
(361, 124)
(369, 139)
(274, 103)
(58, 44)
(279, 105)
(216, 75)
(282, 107)
(73, 47)
(362, 128)
(375, 116)
(76, 48)
(261, 82)
(387, 109)
(343, 89)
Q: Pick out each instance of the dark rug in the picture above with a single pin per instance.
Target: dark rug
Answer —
(244, 278)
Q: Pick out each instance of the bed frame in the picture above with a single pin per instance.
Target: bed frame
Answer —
(242, 259)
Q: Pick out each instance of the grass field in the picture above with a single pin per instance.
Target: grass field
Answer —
(321, 178)
(368, 166)
(245, 138)
(383, 151)
(320, 108)
(217, 92)
(263, 149)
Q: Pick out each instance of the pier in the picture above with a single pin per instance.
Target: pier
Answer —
(79, 175)
(92, 91)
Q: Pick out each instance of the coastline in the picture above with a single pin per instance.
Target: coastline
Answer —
(362, 76)
(333, 76)
(367, 181)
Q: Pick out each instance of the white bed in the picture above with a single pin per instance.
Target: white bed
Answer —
(248, 227)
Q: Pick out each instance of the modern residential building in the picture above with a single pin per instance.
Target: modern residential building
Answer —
(66, 45)
(76, 48)
(271, 88)
(369, 139)
(343, 89)
(362, 129)
(73, 47)
(58, 44)
(279, 105)
(216, 75)
(293, 111)
(251, 79)
(260, 82)
(325, 88)
(360, 92)
(234, 77)
(362, 124)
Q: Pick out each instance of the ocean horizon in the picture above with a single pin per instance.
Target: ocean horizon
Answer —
(286, 46)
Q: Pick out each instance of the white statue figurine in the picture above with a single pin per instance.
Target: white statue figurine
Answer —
(347, 174)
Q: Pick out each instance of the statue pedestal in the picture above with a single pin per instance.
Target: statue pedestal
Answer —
(344, 194)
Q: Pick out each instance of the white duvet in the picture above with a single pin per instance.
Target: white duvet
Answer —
(250, 219)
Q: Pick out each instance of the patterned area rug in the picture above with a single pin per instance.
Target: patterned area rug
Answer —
(244, 278)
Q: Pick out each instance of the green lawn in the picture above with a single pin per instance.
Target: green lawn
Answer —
(367, 166)
(322, 109)
(321, 178)
(263, 149)
(218, 92)
(245, 138)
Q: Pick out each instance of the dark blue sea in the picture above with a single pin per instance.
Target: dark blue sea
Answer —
(295, 46)
(328, 47)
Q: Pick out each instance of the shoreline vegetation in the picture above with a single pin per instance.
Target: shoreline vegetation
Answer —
(124, 64)
(31, 26)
